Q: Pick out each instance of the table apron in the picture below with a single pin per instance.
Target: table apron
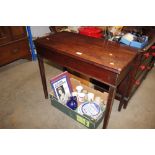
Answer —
(103, 75)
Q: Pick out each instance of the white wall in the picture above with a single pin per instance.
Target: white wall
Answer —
(38, 31)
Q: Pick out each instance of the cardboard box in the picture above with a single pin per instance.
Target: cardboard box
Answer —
(86, 121)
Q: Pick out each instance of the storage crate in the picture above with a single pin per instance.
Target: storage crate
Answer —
(125, 41)
(135, 44)
(86, 121)
(138, 44)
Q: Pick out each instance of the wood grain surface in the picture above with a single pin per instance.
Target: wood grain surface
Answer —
(106, 54)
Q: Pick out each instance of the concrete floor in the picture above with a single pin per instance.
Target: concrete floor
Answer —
(22, 103)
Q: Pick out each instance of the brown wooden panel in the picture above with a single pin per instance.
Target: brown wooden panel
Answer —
(14, 51)
(108, 55)
(17, 32)
(136, 83)
(4, 35)
(136, 73)
(80, 66)
(143, 67)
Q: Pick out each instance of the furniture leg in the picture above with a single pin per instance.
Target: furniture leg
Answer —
(43, 77)
(111, 96)
(123, 102)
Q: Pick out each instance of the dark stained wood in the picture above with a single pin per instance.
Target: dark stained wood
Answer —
(76, 64)
(124, 93)
(17, 32)
(143, 58)
(102, 53)
(112, 92)
(4, 34)
(42, 73)
(13, 51)
(102, 60)
(138, 76)
(136, 72)
(13, 44)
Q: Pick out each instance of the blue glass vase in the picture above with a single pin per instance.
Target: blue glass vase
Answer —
(72, 102)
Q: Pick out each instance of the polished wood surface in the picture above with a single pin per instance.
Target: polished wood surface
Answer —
(143, 63)
(108, 55)
(14, 51)
(111, 97)
(13, 44)
(18, 32)
(4, 35)
(43, 77)
(102, 60)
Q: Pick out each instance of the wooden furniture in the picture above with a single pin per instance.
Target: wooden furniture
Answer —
(99, 59)
(143, 63)
(13, 44)
(85, 79)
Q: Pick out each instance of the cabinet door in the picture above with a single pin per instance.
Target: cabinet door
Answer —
(4, 34)
(18, 32)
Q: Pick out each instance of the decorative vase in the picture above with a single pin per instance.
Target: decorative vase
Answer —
(72, 102)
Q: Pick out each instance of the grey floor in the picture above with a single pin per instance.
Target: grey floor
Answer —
(22, 103)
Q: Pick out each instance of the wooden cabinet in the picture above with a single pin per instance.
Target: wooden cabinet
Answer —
(4, 35)
(13, 44)
(143, 63)
(17, 32)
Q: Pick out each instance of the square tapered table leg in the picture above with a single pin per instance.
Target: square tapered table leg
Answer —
(111, 96)
(43, 77)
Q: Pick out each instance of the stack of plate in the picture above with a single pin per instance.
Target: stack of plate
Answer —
(92, 110)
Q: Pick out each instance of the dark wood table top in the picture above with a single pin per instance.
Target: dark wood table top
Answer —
(106, 54)
(105, 61)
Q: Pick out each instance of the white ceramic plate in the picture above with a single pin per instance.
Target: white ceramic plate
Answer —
(90, 109)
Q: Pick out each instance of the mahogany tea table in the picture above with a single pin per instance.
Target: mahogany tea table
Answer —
(99, 59)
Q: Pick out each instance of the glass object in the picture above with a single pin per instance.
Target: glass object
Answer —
(72, 102)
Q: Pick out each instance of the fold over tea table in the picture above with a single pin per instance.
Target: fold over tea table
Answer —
(102, 60)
